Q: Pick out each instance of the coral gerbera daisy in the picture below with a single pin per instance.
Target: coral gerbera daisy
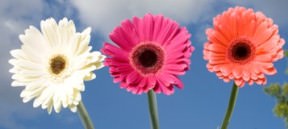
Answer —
(53, 64)
(150, 53)
(242, 46)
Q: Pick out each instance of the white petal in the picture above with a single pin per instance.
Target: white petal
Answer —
(27, 99)
(16, 84)
(30, 94)
(46, 94)
(37, 103)
(73, 108)
(31, 64)
(50, 31)
(90, 76)
(13, 70)
(99, 65)
(16, 53)
(80, 87)
(34, 39)
(77, 98)
(49, 108)
(13, 61)
(83, 42)
(67, 30)
(63, 23)
(57, 103)
(64, 101)
(48, 102)
(26, 65)
(87, 32)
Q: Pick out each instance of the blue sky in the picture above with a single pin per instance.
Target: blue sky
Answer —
(200, 105)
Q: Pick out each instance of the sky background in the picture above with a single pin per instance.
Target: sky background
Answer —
(200, 105)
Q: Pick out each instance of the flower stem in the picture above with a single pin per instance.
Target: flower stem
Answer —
(229, 111)
(86, 121)
(153, 109)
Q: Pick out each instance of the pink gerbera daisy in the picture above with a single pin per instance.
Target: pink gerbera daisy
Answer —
(150, 53)
(242, 46)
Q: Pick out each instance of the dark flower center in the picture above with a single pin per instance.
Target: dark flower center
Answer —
(147, 58)
(241, 51)
(57, 64)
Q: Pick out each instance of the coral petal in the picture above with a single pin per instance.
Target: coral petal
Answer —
(240, 25)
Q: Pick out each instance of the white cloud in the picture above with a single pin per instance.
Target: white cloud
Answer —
(276, 9)
(103, 15)
(14, 17)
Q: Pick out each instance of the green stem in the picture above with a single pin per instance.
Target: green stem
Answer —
(153, 109)
(286, 53)
(86, 121)
(229, 111)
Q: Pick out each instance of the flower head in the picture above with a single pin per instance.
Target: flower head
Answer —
(149, 54)
(242, 46)
(53, 64)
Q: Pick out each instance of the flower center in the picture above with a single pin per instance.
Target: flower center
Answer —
(147, 58)
(241, 51)
(57, 64)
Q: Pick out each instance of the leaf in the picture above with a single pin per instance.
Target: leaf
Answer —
(273, 90)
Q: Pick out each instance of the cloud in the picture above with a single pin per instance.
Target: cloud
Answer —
(103, 15)
(15, 17)
(13, 20)
(277, 10)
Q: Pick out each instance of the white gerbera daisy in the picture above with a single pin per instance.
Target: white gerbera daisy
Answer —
(53, 64)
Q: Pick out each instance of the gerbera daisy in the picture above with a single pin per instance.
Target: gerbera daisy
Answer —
(53, 64)
(150, 53)
(242, 46)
